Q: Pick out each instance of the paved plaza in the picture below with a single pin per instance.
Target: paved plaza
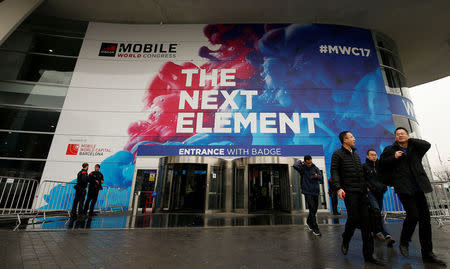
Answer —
(259, 246)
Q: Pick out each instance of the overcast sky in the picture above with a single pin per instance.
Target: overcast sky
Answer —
(432, 107)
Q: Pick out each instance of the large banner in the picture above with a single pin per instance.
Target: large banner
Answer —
(180, 85)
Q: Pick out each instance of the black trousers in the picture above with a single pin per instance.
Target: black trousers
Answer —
(357, 205)
(417, 210)
(313, 203)
(334, 202)
(91, 199)
(78, 202)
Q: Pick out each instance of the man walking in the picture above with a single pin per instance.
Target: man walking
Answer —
(95, 185)
(376, 194)
(80, 190)
(310, 178)
(404, 159)
(347, 173)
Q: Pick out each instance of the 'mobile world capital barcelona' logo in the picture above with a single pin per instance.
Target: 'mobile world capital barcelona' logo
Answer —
(72, 149)
(138, 50)
(86, 150)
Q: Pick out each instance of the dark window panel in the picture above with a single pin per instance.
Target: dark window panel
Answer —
(32, 67)
(20, 168)
(14, 93)
(25, 145)
(26, 119)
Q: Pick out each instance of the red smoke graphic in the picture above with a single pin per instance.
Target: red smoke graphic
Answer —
(163, 93)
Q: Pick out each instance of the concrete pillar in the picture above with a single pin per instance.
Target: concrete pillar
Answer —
(12, 13)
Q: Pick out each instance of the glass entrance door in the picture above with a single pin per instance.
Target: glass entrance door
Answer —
(268, 188)
(185, 187)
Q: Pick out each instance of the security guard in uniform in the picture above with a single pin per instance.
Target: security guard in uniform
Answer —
(95, 185)
(80, 190)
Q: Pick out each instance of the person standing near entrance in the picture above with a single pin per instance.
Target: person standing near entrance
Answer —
(402, 161)
(95, 185)
(80, 190)
(348, 179)
(310, 178)
(376, 195)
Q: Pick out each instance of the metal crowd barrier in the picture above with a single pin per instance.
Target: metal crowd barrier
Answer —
(58, 195)
(439, 202)
(16, 195)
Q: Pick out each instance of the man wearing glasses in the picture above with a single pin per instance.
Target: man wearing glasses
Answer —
(403, 162)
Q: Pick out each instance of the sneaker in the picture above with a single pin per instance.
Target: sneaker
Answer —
(389, 241)
(380, 236)
(316, 232)
(404, 250)
(309, 228)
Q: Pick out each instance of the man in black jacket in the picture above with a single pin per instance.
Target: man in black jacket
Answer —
(310, 178)
(348, 178)
(376, 195)
(80, 190)
(403, 162)
(95, 185)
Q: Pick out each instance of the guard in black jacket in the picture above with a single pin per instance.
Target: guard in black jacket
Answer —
(348, 179)
(95, 185)
(310, 178)
(401, 165)
(376, 195)
(80, 190)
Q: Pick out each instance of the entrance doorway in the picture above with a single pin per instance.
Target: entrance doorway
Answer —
(185, 187)
(268, 187)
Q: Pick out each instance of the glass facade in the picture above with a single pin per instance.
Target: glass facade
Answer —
(36, 66)
(395, 82)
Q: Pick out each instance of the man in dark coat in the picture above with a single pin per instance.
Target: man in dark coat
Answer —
(402, 164)
(80, 190)
(348, 178)
(376, 195)
(95, 185)
(310, 178)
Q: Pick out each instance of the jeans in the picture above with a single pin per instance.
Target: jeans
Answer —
(417, 211)
(313, 203)
(376, 203)
(357, 205)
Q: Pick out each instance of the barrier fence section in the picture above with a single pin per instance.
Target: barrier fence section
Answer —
(439, 202)
(391, 203)
(16, 195)
(58, 195)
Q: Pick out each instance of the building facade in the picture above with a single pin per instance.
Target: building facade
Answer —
(209, 117)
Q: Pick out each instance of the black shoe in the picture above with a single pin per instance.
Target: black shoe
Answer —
(309, 228)
(431, 258)
(404, 250)
(316, 232)
(390, 242)
(375, 261)
(344, 248)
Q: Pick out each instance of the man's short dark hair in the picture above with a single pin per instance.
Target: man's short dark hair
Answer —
(307, 158)
(400, 128)
(342, 136)
(97, 165)
(370, 151)
(84, 165)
